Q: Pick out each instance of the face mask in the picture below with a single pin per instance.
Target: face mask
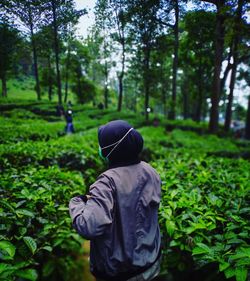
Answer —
(102, 157)
(113, 144)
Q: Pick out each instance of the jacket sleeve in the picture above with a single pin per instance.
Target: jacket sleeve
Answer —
(91, 219)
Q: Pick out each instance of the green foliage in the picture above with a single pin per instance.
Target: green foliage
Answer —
(85, 90)
(35, 226)
(204, 213)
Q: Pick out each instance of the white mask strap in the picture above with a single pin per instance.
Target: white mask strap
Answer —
(116, 143)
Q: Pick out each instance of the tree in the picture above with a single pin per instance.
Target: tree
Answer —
(44, 40)
(144, 28)
(9, 40)
(161, 71)
(196, 49)
(28, 12)
(170, 11)
(85, 90)
(103, 31)
(60, 13)
(69, 38)
(219, 47)
(172, 112)
(236, 29)
(93, 43)
(120, 36)
(247, 130)
(77, 69)
(245, 75)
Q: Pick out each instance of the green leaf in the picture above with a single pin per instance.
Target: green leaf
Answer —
(29, 274)
(22, 230)
(243, 262)
(9, 248)
(170, 225)
(24, 212)
(47, 248)
(4, 267)
(7, 205)
(201, 249)
(223, 266)
(31, 243)
(229, 272)
(48, 268)
(241, 274)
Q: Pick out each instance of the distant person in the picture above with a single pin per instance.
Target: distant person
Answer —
(119, 215)
(69, 129)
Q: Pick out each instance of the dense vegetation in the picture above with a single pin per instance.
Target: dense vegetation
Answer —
(177, 71)
(204, 213)
(182, 59)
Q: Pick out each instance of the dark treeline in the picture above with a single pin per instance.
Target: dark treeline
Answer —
(170, 56)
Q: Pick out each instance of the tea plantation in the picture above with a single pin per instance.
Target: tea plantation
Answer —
(204, 213)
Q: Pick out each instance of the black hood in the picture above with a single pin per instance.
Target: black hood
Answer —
(127, 152)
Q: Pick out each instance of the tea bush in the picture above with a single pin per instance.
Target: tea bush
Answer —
(204, 213)
(36, 237)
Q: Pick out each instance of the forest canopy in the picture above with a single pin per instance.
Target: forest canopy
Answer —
(181, 59)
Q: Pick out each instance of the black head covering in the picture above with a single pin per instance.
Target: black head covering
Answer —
(127, 152)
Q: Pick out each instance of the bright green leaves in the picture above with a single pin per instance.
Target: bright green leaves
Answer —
(24, 212)
(241, 274)
(170, 225)
(201, 249)
(204, 212)
(37, 217)
(31, 244)
(29, 274)
(7, 250)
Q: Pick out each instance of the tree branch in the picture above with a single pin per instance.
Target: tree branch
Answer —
(165, 23)
(210, 1)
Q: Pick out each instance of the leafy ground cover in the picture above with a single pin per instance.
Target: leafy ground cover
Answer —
(204, 212)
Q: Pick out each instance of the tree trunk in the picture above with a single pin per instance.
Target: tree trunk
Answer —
(228, 117)
(164, 100)
(78, 75)
(185, 100)
(234, 67)
(228, 68)
(219, 44)
(146, 81)
(106, 86)
(50, 80)
(4, 87)
(67, 76)
(247, 130)
(56, 46)
(121, 77)
(172, 113)
(33, 43)
(106, 91)
(200, 94)
(146, 99)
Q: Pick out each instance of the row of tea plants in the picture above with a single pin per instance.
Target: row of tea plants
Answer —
(204, 213)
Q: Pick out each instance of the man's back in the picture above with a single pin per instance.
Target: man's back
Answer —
(120, 213)
(133, 238)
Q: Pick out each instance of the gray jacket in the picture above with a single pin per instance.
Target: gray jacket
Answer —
(121, 220)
